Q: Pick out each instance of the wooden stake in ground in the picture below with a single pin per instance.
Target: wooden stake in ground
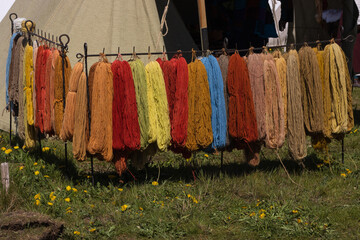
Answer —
(5, 177)
(203, 25)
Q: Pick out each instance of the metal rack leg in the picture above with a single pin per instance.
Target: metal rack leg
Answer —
(342, 151)
(222, 160)
(66, 157)
(10, 123)
(92, 171)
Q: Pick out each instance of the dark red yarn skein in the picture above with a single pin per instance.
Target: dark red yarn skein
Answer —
(242, 119)
(126, 129)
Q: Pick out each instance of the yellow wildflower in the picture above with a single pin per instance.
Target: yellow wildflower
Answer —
(258, 203)
(299, 220)
(92, 230)
(206, 155)
(348, 171)
(343, 175)
(120, 189)
(8, 151)
(16, 147)
(36, 173)
(155, 183)
(46, 176)
(88, 176)
(21, 168)
(74, 189)
(37, 202)
(50, 203)
(195, 201)
(68, 188)
(35, 163)
(45, 149)
(68, 211)
(76, 232)
(52, 198)
(189, 196)
(295, 211)
(327, 161)
(262, 216)
(3, 148)
(262, 211)
(92, 205)
(141, 209)
(37, 196)
(188, 185)
(124, 207)
(85, 191)
(67, 199)
(23, 147)
(252, 214)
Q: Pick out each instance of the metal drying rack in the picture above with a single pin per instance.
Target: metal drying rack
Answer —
(63, 46)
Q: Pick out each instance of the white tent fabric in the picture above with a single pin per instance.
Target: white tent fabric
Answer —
(106, 23)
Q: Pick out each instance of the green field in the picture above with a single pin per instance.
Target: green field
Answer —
(192, 199)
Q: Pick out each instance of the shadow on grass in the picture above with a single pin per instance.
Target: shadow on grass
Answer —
(105, 174)
(189, 173)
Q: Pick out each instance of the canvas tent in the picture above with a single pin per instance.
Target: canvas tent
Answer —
(102, 24)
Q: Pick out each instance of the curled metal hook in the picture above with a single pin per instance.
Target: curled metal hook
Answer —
(28, 30)
(64, 44)
(79, 56)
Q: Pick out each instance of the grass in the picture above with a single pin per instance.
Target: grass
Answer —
(192, 199)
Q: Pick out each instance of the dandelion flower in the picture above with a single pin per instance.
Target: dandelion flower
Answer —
(21, 168)
(189, 196)
(3, 148)
(343, 175)
(124, 207)
(36, 173)
(120, 189)
(348, 171)
(37, 196)
(262, 216)
(37, 202)
(295, 211)
(35, 163)
(141, 209)
(8, 151)
(155, 183)
(50, 203)
(252, 214)
(299, 220)
(188, 185)
(76, 232)
(67, 199)
(16, 147)
(68, 211)
(74, 189)
(68, 188)
(45, 149)
(92, 230)
(52, 198)
(85, 191)
(206, 155)
(46, 176)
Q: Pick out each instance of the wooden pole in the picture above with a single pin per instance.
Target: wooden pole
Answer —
(5, 177)
(203, 25)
